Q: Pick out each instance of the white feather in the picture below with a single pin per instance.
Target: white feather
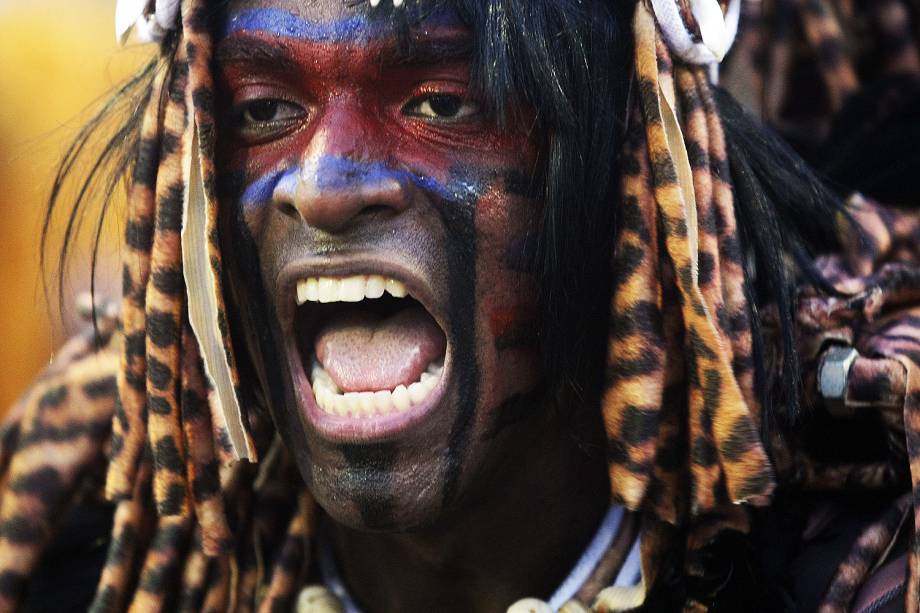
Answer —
(201, 288)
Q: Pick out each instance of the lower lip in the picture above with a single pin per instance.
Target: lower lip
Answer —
(374, 428)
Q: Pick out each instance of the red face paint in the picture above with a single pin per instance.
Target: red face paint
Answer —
(514, 327)
(357, 98)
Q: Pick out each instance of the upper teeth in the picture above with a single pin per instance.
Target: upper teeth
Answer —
(347, 289)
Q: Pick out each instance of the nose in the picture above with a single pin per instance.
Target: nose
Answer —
(341, 175)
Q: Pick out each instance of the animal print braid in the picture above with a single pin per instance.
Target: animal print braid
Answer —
(194, 579)
(162, 566)
(287, 574)
(129, 529)
(129, 426)
(182, 553)
(683, 433)
(202, 468)
(165, 302)
(197, 40)
(727, 462)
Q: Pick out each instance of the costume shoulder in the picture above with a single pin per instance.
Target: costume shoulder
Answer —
(854, 460)
(52, 469)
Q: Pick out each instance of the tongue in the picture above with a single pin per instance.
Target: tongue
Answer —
(364, 352)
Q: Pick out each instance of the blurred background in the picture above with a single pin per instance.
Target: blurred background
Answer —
(59, 61)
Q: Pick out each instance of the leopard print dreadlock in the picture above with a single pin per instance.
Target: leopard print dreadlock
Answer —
(175, 542)
(194, 530)
(682, 419)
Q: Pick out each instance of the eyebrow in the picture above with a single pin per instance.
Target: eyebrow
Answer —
(430, 50)
(437, 49)
(241, 50)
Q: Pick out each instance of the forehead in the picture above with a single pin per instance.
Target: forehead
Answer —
(311, 10)
(329, 20)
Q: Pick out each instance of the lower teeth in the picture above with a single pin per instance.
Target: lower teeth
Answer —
(368, 404)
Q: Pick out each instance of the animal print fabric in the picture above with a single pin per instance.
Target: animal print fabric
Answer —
(681, 416)
(52, 449)
(877, 314)
(796, 62)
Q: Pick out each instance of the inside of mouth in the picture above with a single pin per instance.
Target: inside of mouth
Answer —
(372, 357)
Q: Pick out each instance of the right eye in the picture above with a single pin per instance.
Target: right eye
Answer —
(267, 118)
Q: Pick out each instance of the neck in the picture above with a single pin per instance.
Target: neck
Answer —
(518, 537)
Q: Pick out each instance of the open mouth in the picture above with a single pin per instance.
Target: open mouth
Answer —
(373, 353)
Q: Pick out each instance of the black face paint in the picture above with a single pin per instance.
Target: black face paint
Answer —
(369, 482)
(460, 223)
(521, 254)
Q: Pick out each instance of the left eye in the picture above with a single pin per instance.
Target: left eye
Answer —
(268, 111)
(441, 107)
(266, 118)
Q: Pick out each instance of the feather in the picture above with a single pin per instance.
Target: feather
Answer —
(203, 305)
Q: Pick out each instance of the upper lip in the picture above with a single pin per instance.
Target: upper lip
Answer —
(286, 303)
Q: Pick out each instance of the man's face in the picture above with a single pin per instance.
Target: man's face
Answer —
(378, 227)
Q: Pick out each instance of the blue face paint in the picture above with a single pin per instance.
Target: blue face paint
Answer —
(261, 190)
(336, 174)
(356, 28)
(282, 23)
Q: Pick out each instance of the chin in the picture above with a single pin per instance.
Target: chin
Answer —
(351, 501)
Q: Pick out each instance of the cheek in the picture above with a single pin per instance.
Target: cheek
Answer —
(507, 292)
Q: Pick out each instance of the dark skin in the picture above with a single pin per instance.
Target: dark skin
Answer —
(344, 156)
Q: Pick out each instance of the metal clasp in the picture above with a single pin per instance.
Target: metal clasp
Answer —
(833, 379)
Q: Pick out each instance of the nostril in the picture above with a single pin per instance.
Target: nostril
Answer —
(289, 209)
